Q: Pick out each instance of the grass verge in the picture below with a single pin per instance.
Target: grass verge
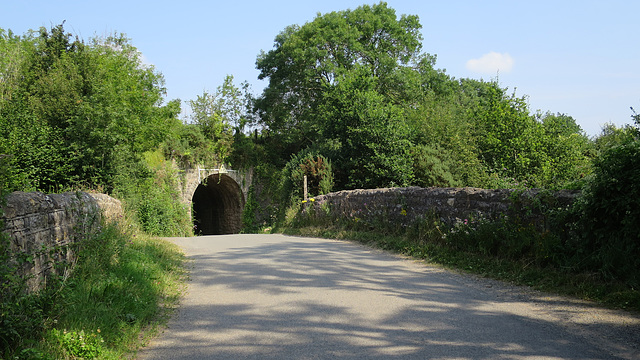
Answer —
(588, 286)
(123, 287)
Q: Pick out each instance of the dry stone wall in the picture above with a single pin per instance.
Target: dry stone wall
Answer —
(449, 205)
(42, 229)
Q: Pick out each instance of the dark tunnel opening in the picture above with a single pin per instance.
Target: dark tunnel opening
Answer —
(217, 206)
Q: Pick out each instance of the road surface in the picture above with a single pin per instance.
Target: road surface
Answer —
(281, 297)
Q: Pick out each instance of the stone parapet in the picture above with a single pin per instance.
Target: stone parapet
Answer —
(450, 205)
(42, 228)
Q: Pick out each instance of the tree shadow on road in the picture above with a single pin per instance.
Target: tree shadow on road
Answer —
(297, 298)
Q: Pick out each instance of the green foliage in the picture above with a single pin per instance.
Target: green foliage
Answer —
(334, 85)
(508, 138)
(567, 150)
(432, 167)
(249, 221)
(79, 344)
(121, 286)
(150, 192)
(83, 115)
(72, 112)
(372, 133)
(317, 169)
(445, 151)
(189, 148)
(612, 136)
(308, 60)
(319, 174)
(610, 212)
(212, 124)
(354, 85)
(506, 238)
(217, 115)
(248, 151)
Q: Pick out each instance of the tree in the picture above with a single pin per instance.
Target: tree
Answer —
(313, 58)
(354, 86)
(568, 150)
(40, 97)
(370, 134)
(445, 151)
(337, 84)
(12, 58)
(510, 141)
(123, 115)
(78, 112)
(610, 209)
(220, 113)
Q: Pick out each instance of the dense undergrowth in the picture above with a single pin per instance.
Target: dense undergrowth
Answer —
(122, 287)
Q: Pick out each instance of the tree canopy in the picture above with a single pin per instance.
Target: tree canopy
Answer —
(310, 60)
(72, 113)
(355, 86)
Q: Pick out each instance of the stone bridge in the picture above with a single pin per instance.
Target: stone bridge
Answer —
(216, 198)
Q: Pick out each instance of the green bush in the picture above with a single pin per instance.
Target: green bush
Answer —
(315, 166)
(610, 214)
(189, 147)
(249, 221)
(159, 211)
(432, 167)
(79, 344)
(149, 191)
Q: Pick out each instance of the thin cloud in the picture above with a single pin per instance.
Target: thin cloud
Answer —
(491, 63)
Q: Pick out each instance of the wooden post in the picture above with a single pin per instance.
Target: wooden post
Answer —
(304, 186)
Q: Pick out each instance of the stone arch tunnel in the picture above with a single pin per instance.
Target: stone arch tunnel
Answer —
(217, 202)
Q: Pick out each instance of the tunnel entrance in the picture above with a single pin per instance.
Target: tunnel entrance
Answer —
(217, 206)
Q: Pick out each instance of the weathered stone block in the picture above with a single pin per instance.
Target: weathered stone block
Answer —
(37, 223)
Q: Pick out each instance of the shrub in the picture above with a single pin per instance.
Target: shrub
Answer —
(149, 191)
(315, 166)
(431, 167)
(79, 344)
(610, 213)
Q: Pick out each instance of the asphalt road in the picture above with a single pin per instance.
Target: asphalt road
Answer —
(280, 297)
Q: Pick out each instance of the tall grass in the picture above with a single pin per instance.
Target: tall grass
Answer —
(124, 284)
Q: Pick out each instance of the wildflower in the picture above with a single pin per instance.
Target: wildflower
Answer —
(312, 199)
(403, 212)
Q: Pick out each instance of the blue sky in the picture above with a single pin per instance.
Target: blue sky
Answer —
(580, 58)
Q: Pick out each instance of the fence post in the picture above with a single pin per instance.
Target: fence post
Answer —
(304, 186)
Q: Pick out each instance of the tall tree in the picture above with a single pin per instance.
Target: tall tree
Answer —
(219, 114)
(311, 59)
(78, 112)
(336, 84)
